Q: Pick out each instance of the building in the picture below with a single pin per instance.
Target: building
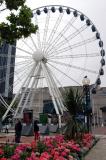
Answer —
(7, 60)
(42, 103)
(99, 107)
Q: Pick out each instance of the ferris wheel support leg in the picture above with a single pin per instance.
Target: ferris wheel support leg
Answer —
(50, 89)
(26, 88)
(55, 90)
(10, 106)
(59, 121)
(35, 88)
(30, 91)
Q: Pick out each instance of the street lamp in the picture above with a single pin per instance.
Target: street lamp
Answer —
(87, 102)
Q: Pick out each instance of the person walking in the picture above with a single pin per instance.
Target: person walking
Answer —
(36, 130)
(6, 128)
(18, 129)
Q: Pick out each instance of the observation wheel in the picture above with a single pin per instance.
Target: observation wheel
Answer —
(66, 47)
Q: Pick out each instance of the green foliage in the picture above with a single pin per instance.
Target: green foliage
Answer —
(41, 147)
(19, 23)
(73, 100)
(14, 4)
(73, 129)
(9, 150)
(24, 155)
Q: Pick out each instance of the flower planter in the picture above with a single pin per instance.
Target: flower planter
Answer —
(50, 148)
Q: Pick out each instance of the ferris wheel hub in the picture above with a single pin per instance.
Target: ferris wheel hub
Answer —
(38, 56)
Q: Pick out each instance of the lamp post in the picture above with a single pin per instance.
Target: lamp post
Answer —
(87, 102)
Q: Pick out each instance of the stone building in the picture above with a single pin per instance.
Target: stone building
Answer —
(99, 107)
(42, 103)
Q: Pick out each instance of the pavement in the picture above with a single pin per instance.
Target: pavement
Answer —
(98, 152)
(99, 130)
(10, 138)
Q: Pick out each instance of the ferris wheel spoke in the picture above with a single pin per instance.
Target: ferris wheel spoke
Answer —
(33, 42)
(23, 69)
(25, 90)
(57, 80)
(45, 31)
(75, 67)
(55, 27)
(50, 89)
(23, 62)
(30, 53)
(27, 45)
(64, 74)
(14, 56)
(75, 45)
(30, 89)
(70, 37)
(62, 32)
(95, 54)
(13, 64)
(56, 90)
(19, 78)
(41, 85)
(38, 34)
(37, 79)
(14, 99)
(15, 72)
(16, 83)
(2, 101)
(23, 57)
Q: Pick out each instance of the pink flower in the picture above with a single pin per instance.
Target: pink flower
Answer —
(15, 157)
(67, 150)
(45, 156)
(1, 152)
(3, 158)
(63, 153)
(71, 158)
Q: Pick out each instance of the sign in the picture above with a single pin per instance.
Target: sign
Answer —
(27, 116)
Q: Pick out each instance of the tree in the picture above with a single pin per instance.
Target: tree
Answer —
(19, 22)
(73, 100)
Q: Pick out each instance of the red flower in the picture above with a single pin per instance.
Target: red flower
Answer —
(1, 152)
(64, 154)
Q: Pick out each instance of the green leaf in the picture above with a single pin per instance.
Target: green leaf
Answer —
(14, 4)
(19, 25)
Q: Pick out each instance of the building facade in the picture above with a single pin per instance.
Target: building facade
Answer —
(42, 103)
(7, 62)
(98, 102)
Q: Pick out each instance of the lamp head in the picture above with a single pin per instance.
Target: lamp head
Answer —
(85, 81)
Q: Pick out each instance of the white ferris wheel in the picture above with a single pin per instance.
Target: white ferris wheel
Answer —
(66, 47)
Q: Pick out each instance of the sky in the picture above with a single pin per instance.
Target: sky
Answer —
(94, 9)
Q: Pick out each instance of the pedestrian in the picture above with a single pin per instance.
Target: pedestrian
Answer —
(36, 130)
(18, 129)
(6, 128)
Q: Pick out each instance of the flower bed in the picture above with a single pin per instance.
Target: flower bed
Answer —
(50, 148)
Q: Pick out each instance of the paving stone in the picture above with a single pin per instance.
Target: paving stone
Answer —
(98, 152)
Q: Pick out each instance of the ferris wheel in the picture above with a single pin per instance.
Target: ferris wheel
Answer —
(66, 47)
